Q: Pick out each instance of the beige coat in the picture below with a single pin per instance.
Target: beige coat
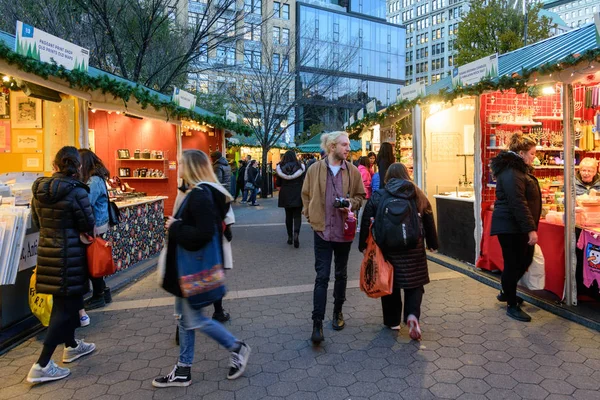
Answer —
(313, 192)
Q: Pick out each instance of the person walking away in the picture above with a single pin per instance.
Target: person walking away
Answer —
(241, 182)
(199, 215)
(372, 162)
(365, 173)
(222, 169)
(516, 215)
(291, 172)
(61, 209)
(95, 175)
(254, 180)
(234, 172)
(332, 188)
(385, 158)
(410, 265)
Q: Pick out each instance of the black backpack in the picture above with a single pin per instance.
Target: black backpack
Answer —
(397, 223)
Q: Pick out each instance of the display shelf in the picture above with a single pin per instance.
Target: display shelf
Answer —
(549, 118)
(537, 149)
(140, 178)
(142, 159)
(513, 123)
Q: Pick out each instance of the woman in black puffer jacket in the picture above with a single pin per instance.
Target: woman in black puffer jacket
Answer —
(291, 174)
(517, 212)
(61, 209)
(410, 266)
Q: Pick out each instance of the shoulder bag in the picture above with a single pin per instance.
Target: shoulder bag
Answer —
(114, 214)
(99, 257)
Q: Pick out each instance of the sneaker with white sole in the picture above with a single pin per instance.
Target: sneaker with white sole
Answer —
(179, 377)
(414, 330)
(84, 320)
(238, 361)
(71, 354)
(50, 372)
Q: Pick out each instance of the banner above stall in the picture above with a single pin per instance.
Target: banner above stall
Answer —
(411, 92)
(39, 45)
(475, 71)
(184, 99)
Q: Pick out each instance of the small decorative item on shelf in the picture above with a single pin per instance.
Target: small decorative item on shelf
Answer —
(159, 154)
(123, 154)
(124, 172)
(142, 172)
(153, 154)
(146, 154)
(136, 154)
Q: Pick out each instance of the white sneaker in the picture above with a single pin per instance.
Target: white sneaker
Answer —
(238, 361)
(85, 320)
(71, 354)
(50, 372)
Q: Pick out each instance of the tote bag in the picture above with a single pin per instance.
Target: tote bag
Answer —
(376, 274)
(40, 304)
(99, 257)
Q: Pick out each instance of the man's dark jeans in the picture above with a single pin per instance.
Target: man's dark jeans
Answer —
(324, 252)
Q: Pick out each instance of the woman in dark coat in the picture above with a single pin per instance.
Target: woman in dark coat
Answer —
(517, 212)
(61, 209)
(410, 266)
(291, 174)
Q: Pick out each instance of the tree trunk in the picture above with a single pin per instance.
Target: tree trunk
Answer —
(265, 181)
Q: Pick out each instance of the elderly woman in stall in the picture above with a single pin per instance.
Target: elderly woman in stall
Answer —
(587, 178)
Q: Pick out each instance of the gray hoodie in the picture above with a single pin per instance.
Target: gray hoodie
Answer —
(223, 172)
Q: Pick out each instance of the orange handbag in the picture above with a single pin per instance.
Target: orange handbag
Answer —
(376, 274)
(99, 257)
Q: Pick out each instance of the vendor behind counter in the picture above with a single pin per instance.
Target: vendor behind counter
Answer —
(587, 178)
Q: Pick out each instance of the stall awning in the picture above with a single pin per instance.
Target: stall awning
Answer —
(252, 141)
(313, 145)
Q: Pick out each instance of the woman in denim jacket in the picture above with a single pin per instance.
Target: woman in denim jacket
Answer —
(95, 174)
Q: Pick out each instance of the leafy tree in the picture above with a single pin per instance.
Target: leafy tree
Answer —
(496, 27)
(150, 42)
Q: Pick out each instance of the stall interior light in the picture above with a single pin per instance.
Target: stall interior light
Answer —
(93, 110)
(434, 108)
(6, 78)
(548, 90)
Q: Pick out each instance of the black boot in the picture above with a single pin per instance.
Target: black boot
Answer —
(95, 302)
(107, 295)
(502, 297)
(289, 239)
(515, 312)
(296, 240)
(338, 321)
(317, 333)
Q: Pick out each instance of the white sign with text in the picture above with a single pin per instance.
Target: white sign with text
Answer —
(475, 71)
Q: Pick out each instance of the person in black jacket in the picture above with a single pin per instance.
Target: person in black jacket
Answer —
(240, 182)
(61, 209)
(291, 173)
(410, 266)
(200, 213)
(255, 180)
(516, 215)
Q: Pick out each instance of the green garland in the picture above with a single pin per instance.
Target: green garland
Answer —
(519, 82)
(119, 90)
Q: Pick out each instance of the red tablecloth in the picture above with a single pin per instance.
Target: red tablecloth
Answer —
(551, 239)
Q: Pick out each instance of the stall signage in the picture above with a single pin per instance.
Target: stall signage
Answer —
(29, 251)
(371, 107)
(597, 21)
(351, 119)
(39, 45)
(360, 114)
(411, 92)
(184, 99)
(475, 71)
(231, 116)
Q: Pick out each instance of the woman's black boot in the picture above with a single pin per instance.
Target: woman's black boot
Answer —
(296, 240)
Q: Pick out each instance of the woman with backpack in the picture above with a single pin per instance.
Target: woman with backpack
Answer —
(404, 201)
(291, 175)
(200, 213)
(517, 212)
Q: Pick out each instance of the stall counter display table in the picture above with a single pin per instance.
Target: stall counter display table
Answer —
(140, 234)
(551, 239)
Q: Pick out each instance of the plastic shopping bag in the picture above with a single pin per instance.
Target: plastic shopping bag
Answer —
(40, 304)
(376, 274)
(535, 277)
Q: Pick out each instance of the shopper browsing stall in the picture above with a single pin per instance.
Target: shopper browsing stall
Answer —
(587, 178)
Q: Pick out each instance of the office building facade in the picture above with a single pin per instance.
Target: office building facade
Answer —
(371, 64)
(574, 12)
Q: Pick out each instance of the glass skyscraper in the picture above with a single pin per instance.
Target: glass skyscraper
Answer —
(354, 44)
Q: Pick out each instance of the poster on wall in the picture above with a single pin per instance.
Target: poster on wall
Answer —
(4, 136)
(25, 112)
(59, 128)
(33, 162)
(26, 140)
(4, 105)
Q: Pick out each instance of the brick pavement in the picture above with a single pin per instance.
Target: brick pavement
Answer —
(471, 349)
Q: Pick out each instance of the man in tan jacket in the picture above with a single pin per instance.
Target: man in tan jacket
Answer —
(329, 184)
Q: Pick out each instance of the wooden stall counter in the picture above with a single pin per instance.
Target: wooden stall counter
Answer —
(455, 225)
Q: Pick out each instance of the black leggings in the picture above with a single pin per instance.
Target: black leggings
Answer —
(293, 219)
(392, 305)
(517, 258)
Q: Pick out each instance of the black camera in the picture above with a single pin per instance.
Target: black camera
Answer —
(340, 202)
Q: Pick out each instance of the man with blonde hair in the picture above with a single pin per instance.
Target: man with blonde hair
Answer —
(587, 178)
(332, 188)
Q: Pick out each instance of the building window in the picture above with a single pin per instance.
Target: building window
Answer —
(253, 6)
(276, 35)
(276, 61)
(203, 53)
(285, 64)
(226, 55)
(281, 11)
(252, 32)
(285, 11)
(285, 36)
(336, 32)
(252, 59)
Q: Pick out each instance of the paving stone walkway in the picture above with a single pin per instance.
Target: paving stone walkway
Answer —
(470, 350)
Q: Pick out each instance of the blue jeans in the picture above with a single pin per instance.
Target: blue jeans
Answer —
(253, 196)
(245, 194)
(189, 321)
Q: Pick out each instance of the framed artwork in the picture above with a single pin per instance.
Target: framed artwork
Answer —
(59, 128)
(27, 140)
(33, 162)
(4, 136)
(4, 105)
(25, 112)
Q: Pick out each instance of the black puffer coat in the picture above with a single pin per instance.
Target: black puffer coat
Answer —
(61, 209)
(292, 177)
(410, 266)
(518, 205)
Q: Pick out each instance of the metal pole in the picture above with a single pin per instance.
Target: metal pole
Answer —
(525, 18)
(569, 171)
(478, 184)
(418, 147)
